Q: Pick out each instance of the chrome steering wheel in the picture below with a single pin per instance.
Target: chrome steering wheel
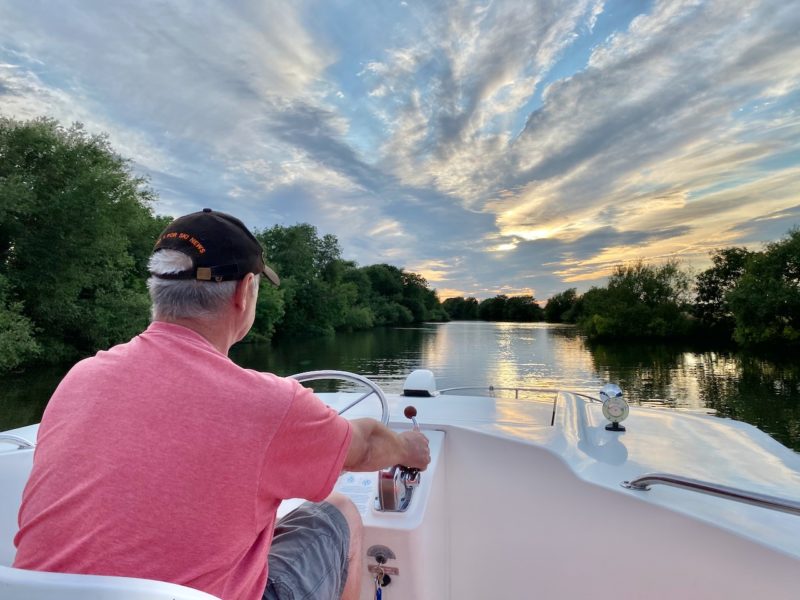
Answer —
(352, 377)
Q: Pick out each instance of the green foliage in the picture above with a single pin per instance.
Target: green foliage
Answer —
(76, 229)
(499, 308)
(17, 343)
(766, 299)
(713, 285)
(358, 317)
(514, 308)
(492, 309)
(523, 309)
(561, 307)
(308, 278)
(399, 297)
(323, 293)
(420, 299)
(639, 301)
(752, 298)
(462, 309)
(269, 311)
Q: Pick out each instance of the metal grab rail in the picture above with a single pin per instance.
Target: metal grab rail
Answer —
(644, 482)
(517, 390)
(21, 442)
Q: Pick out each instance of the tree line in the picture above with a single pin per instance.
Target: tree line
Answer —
(498, 308)
(748, 297)
(77, 228)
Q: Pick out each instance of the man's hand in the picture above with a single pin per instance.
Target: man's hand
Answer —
(418, 452)
(374, 447)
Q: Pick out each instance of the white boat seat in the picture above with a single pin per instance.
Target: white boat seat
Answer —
(21, 584)
(15, 467)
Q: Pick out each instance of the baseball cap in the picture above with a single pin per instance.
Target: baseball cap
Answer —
(220, 246)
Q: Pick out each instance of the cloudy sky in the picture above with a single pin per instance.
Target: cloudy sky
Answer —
(506, 146)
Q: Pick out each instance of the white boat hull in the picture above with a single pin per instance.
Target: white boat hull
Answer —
(514, 507)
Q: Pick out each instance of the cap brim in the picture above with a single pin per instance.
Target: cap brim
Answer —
(271, 275)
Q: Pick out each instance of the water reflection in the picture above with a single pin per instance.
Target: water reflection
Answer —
(751, 389)
(385, 355)
(648, 373)
(23, 396)
(511, 354)
(763, 392)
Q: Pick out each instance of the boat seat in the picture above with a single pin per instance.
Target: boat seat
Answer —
(18, 584)
(15, 467)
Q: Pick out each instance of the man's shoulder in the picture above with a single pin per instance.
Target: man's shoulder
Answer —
(103, 359)
(269, 382)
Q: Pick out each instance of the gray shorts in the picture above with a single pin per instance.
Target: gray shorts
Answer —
(308, 557)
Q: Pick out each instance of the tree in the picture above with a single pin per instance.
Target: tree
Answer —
(356, 284)
(522, 309)
(17, 342)
(493, 309)
(269, 311)
(76, 229)
(312, 303)
(766, 301)
(640, 301)
(561, 307)
(386, 300)
(514, 308)
(713, 285)
(463, 309)
(420, 299)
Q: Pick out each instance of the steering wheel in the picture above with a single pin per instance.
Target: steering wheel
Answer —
(352, 377)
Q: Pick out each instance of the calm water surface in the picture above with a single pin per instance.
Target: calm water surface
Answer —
(763, 392)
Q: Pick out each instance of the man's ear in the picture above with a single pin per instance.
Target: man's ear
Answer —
(244, 295)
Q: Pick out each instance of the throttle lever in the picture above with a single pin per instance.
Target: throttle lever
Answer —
(411, 474)
(411, 413)
(396, 485)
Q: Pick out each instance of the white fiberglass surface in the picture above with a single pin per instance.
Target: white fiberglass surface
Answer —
(522, 524)
(718, 451)
(529, 509)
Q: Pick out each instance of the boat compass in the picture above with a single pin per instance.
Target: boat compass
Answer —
(615, 408)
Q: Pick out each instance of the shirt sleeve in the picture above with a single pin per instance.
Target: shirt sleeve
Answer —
(308, 451)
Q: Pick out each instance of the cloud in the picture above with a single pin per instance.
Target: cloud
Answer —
(456, 88)
(510, 145)
(653, 120)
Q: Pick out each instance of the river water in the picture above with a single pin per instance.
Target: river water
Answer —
(754, 389)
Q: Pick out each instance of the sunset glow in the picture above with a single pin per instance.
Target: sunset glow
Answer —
(490, 147)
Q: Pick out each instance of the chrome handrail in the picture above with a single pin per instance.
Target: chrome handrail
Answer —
(21, 442)
(644, 482)
(516, 390)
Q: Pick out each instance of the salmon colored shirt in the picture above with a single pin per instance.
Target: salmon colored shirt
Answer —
(163, 459)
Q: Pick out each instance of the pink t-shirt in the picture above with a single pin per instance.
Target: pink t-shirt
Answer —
(163, 459)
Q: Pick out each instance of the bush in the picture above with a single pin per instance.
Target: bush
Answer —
(766, 301)
(640, 301)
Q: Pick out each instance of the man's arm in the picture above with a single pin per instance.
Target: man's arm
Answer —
(375, 447)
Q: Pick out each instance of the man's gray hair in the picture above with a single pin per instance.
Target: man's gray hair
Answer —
(185, 298)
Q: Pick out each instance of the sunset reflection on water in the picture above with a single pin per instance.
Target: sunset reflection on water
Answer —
(754, 389)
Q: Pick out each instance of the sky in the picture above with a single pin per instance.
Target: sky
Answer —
(507, 146)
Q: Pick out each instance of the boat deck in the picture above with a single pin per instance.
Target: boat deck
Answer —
(518, 502)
